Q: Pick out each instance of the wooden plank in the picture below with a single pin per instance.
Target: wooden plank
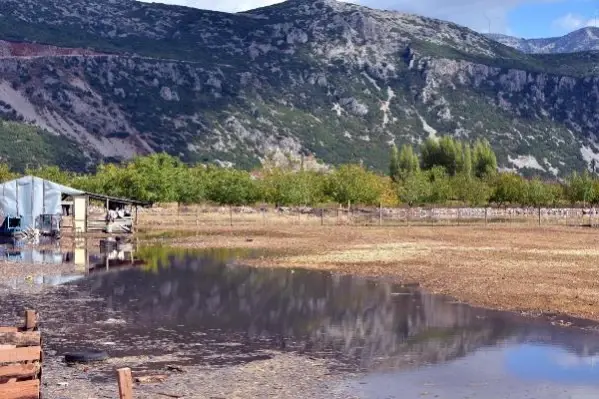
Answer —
(9, 329)
(21, 390)
(6, 346)
(125, 383)
(20, 370)
(29, 338)
(30, 319)
(24, 354)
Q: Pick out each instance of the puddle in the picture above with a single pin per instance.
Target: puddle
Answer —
(200, 307)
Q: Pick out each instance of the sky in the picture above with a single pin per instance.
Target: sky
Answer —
(521, 18)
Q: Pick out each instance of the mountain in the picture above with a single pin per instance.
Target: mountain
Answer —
(334, 80)
(585, 39)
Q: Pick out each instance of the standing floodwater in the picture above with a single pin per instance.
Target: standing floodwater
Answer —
(401, 341)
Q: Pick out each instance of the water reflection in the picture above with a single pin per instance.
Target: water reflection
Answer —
(370, 326)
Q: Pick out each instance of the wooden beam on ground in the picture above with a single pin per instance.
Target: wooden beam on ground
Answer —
(29, 338)
(25, 354)
(19, 370)
(20, 390)
(125, 383)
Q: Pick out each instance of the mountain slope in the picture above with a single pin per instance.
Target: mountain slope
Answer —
(336, 80)
(584, 39)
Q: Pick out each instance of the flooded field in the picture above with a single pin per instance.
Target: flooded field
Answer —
(371, 338)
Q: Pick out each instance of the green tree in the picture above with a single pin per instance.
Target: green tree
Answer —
(408, 162)
(429, 153)
(440, 186)
(394, 164)
(415, 189)
(580, 188)
(466, 165)
(470, 190)
(352, 183)
(509, 188)
(52, 173)
(537, 194)
(231, 187)
(484, 162)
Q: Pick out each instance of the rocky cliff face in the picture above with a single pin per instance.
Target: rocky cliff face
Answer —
(336, 80)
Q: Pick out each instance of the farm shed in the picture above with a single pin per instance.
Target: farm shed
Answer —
(37, 202)
(47, 206)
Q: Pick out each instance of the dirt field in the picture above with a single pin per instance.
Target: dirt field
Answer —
(530, 269)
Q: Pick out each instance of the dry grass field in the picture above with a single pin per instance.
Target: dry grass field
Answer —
(512, 267)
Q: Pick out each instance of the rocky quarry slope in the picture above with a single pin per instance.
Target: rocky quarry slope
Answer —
(335, 80)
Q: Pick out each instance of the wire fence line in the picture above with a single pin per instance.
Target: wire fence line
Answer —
(201, 215)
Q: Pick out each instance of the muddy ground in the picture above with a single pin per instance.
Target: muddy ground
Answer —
(201, 366)
(534, 270)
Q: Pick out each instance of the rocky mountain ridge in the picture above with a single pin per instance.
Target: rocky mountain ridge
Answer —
(584, 39)
(336, 80)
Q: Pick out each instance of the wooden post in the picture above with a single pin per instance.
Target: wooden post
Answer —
(197, 215)
(459, 214)
(125, 383)
(338, 214)
(539, 216)
(231, 215)
(322, 216)
(30, 320)
(380, 213)
(486, 215)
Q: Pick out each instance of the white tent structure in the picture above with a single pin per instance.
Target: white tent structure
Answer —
(31, 197)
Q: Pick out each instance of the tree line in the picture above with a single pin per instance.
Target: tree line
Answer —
(441, 171)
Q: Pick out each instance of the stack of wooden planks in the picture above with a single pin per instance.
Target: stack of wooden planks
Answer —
(21, 360)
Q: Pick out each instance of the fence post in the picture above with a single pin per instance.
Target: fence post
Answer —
(380, 213)
(231, 215)
(322, 216)
(125, 383)
(459, 214)
(539, 216)
(486, 215)
(197, 215)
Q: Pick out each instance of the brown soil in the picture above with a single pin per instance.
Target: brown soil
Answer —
(529, 269)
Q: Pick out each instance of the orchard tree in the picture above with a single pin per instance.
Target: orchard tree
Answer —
(353, 184)
(415, 189)
(231, 187)
(509, 188)
(580, 188)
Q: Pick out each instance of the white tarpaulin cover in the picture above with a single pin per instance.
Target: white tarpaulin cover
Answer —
(30, 197)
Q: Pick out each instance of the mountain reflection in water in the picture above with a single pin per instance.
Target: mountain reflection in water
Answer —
(369, 325)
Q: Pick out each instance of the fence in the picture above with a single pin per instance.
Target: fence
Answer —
(196, 215)
(21, 360)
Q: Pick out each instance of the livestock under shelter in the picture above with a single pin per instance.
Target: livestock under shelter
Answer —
(30, 204)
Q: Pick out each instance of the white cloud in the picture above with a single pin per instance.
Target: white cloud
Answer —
(570, 22)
